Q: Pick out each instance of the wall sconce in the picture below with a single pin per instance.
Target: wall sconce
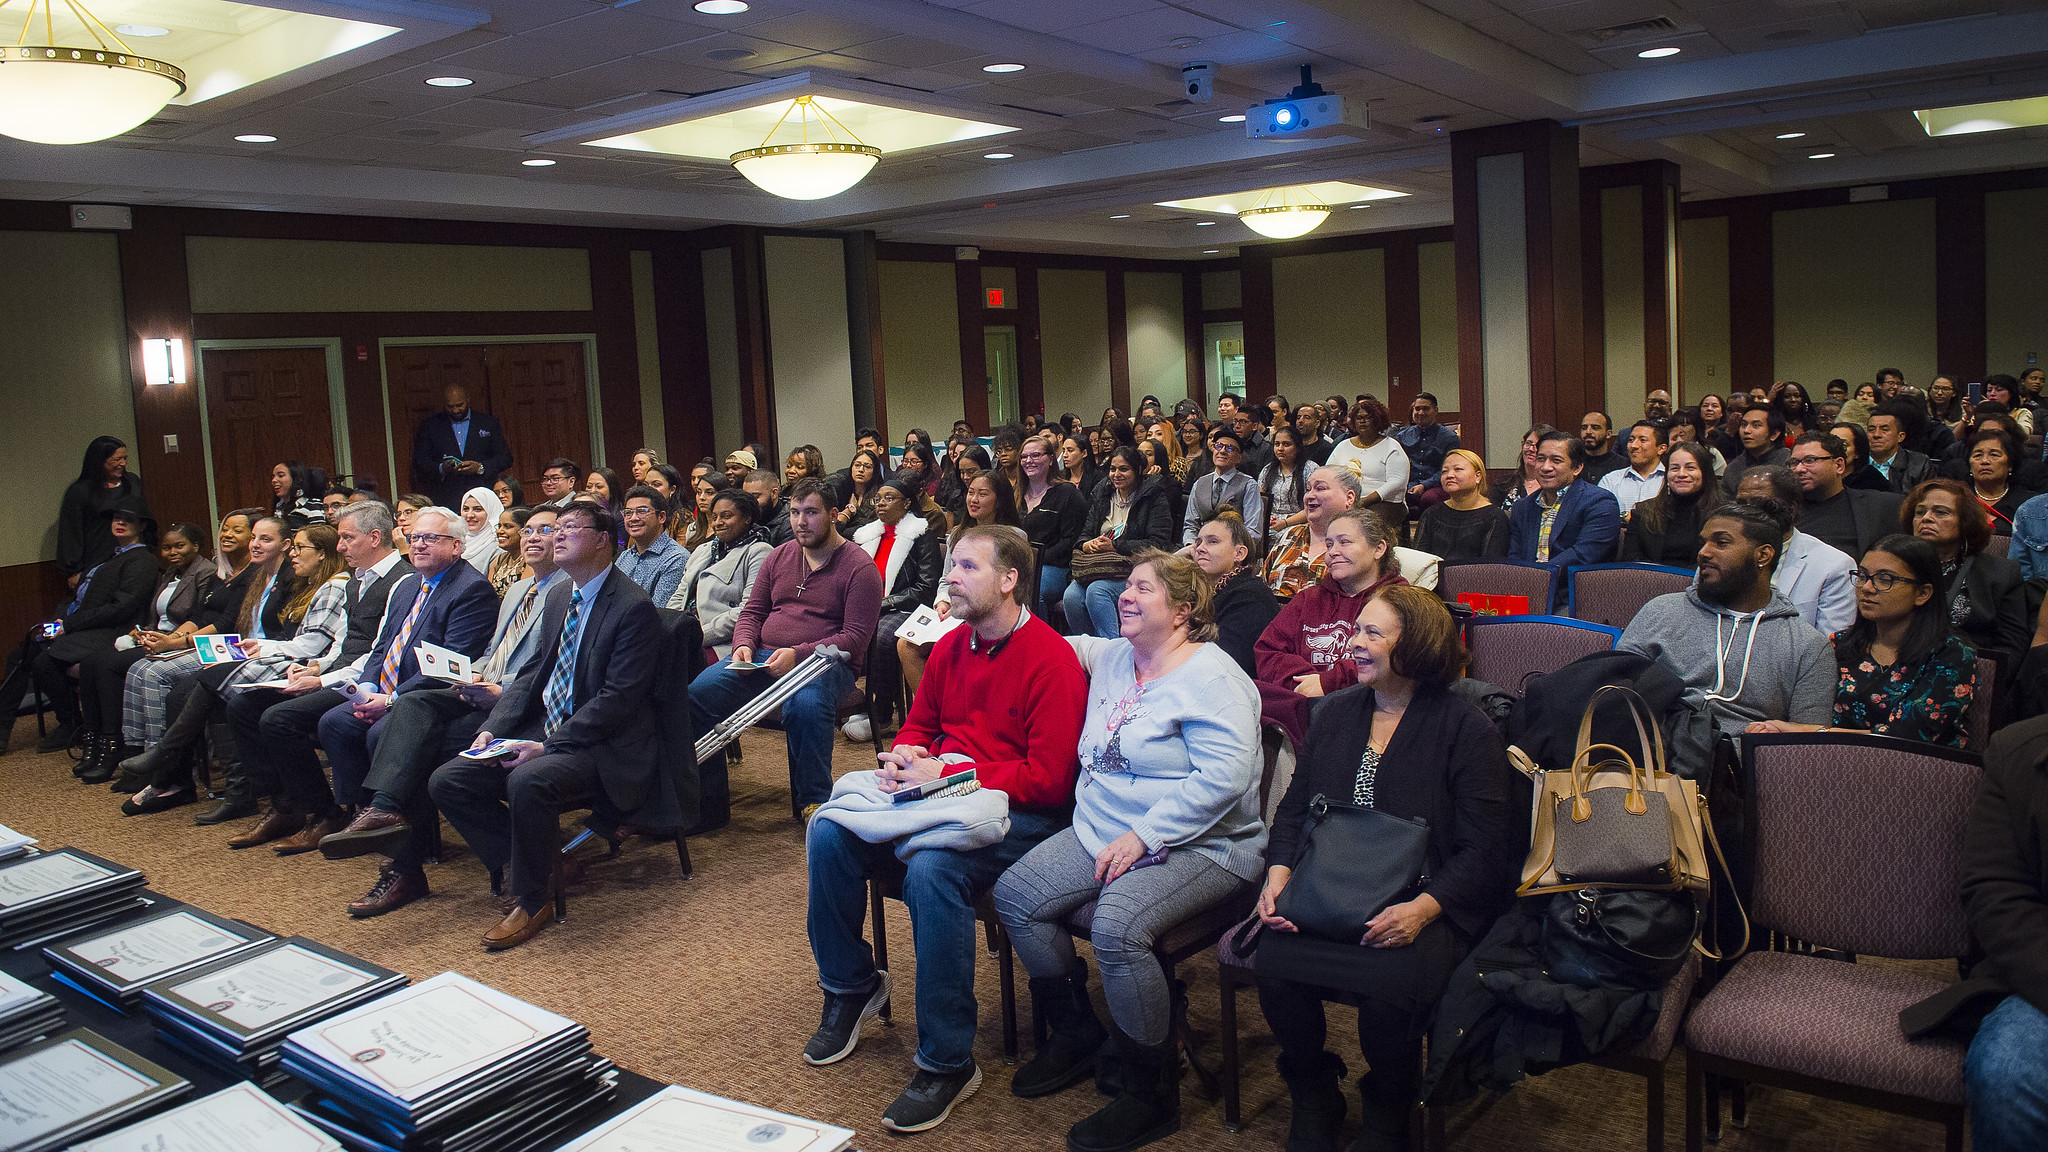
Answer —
(163, 362)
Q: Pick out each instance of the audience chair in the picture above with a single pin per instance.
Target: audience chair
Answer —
(1508, 650)
(1612, 594)
(1999, 546)
(1831, 867)
(1234, 974)
(1983, 704)
(1527, 578)
(999, 951)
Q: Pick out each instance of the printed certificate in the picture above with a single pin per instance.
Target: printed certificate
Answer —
(46, 875)
(139, 952)
(412, 1043)
(270, 988)
(60, 1084)
(242, 1118)
(681, 1120)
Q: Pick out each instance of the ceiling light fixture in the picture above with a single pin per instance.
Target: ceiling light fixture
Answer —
(52, 93)
(807, 170)
(538, 163)
(1821, 156)
(1657, 53)
(450, 81)
(1284, 213)
(1002, 68)
(1790, 135)
(1234, 118)
(998, 155)
(720, 7)
(1996, 116)
(256, 138)
(1121, 216)
(1205, 223)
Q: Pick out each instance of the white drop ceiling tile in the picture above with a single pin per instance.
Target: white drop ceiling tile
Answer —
(1052, 83)
(501, 113)
(1058, 15)
(593, 38)
(684, 12)
(1464, 11)
(762, 52)
(353, 149)
(818, 31)
(384, 102)
(1055, 105)
(911, 52)
(1144, 31)
(1784, 33)
(1128, 96)
(1229, 50)
(449, 46)
(413, 80)
(923, 79)
(455, 158)
(515, 16)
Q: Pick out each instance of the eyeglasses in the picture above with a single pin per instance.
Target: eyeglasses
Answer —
(1882, 581)
(537, 530)
(432, 538)
(1810, 461)
(297, 548)
(636, 513)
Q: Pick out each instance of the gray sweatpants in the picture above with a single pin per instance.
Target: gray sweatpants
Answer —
(1058, 876)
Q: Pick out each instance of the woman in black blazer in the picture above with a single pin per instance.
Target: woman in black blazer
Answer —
(1401, 742)
(1665, 529)
(1987, 602)
(1146, 511)
(1054, 513)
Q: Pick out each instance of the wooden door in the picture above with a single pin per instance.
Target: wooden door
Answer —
(415, 374)
(265, 405)
(537, 393)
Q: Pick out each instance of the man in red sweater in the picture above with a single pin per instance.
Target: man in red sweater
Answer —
(1005, 695)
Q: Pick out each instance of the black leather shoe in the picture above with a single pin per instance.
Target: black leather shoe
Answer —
(153, 801)
(231, 807)
(58, 740)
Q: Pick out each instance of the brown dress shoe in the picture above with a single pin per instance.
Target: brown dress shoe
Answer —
(276, 825)
(518, 926)
(308, 838)
(373, 830)
(395, 888)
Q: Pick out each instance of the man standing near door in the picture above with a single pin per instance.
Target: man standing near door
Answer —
(456, 449)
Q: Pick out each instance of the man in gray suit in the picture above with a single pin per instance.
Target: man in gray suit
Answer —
(1226, 485)
(578, 721)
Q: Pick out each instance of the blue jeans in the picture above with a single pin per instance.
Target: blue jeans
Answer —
(939, 887)
(2007, 1079)
(1052, 587)
(1092, 610)
(807, 720)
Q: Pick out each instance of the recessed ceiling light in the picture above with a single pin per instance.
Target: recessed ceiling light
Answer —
(1820, 155)
(1234, 118)
(1657, 53)
(145, 31)
(538, 163)
(998, 155)
(1121, 216)
(1211, 251)
(1205, 223)
(256, 138)
(1356, 207)
(1002, 68)
(1790, 135)
(721, 7)
(450, 81)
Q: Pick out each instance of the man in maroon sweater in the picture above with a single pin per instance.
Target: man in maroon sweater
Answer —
(1006, 695)
(817, 590)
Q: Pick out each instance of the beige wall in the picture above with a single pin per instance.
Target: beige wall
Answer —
(237, 274)
(1221, 290)
(1073, 344)
(1621, 290)
(809, 349)
(647, 344)
(721, 327)
(1853, 290)
(1439, 279)
(1703, 312)
(1155, 339)
(63, 378)
(920, 346)
(2016, 255)
(1330, 323)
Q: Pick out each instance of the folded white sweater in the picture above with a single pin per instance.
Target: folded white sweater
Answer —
(961, 823)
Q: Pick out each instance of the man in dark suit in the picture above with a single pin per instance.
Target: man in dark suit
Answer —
(457, 449)
(1848, 519)
(1569, 522)
(274, 727)
(578, 719)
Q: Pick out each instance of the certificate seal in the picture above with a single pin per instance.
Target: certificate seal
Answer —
(367, 1055)
(220, 1005)
(766, 1133)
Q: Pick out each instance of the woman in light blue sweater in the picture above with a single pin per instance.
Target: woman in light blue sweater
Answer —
(1166, 824)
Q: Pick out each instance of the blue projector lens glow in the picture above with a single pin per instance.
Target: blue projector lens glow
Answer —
(1284, 116)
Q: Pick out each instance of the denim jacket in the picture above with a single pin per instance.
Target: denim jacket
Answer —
(2030, 538)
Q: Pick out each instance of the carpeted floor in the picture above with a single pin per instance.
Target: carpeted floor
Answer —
(709, 982)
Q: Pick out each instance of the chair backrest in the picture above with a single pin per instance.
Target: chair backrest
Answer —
(1612, 594)
(677, 796)
(1278, 771)
(1508, 650)
(1527, 578)
(1983, 703)
(1999, 546)
(1857, 842)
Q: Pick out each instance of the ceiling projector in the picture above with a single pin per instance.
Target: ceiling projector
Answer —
(1308, 111)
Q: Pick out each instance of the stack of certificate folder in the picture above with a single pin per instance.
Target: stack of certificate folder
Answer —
(233, 1014)
(238, 1118)
(449, 1065)
(679, 1118)
(13, 844)
(53, 894)
(26, 1013)
(113, 964)
(66, 1089)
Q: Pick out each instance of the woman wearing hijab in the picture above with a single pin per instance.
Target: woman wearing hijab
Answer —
(480, 511)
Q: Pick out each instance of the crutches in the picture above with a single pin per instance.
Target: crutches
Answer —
(750, 713)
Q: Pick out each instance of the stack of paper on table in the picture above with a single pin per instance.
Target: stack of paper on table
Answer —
(14, 844)
(681, 1120)
(112, 965)
(59, 1091)
(26, 1013)
(234, 1014)
(239, 1118)
(53, 894)
(449, 1065)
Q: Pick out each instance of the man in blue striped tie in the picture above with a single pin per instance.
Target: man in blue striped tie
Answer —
(577, 719)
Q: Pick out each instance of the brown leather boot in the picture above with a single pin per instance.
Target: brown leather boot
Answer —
(276, 825)
(308, 838)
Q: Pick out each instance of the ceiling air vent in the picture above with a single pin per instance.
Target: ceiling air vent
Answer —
(1615, 32)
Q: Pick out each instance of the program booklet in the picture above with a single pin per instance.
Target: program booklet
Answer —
(442, 663)
(678, 1119)
(925, 626)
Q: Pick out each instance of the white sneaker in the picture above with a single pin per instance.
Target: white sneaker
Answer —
(859, 729)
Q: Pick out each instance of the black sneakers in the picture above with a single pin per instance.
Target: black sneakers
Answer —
(930, 1099)
(839, 1027)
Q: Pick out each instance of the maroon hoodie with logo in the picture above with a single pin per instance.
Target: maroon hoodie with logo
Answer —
(1311, 634)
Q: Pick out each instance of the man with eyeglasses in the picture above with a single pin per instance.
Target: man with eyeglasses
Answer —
(652, 558)
(446, 603)
(1849, 519)
(558, 480)
(1226, 485)
(1813, 575)
(274, 726)
(576, 720)
(426, 727)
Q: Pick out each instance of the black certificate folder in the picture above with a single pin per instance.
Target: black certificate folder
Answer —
(26, 1013)
(112, 965)
(54, 894)
(65, 1089)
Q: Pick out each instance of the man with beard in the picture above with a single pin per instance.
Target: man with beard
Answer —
(1740, 646)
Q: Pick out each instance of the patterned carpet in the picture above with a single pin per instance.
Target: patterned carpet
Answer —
(709, 982)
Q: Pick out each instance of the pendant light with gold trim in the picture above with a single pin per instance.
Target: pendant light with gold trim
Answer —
(52, 93)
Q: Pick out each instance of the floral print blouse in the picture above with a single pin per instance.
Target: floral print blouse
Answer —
(1928, 701)
(1289, 568)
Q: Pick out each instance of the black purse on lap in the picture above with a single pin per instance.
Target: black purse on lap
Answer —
(1356, 863)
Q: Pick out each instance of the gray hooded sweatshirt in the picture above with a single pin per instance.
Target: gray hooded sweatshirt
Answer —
(1739, 666)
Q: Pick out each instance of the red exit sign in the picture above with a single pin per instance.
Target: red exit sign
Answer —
(995, 297)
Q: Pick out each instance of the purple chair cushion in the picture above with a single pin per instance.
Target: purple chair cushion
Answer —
(1829, 1020)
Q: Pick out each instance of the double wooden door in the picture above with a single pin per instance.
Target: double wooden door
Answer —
(536, 391)
(265, 406)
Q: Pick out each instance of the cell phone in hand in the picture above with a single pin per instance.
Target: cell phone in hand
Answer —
(1975, 391)
(497, 749)
(51, 630)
